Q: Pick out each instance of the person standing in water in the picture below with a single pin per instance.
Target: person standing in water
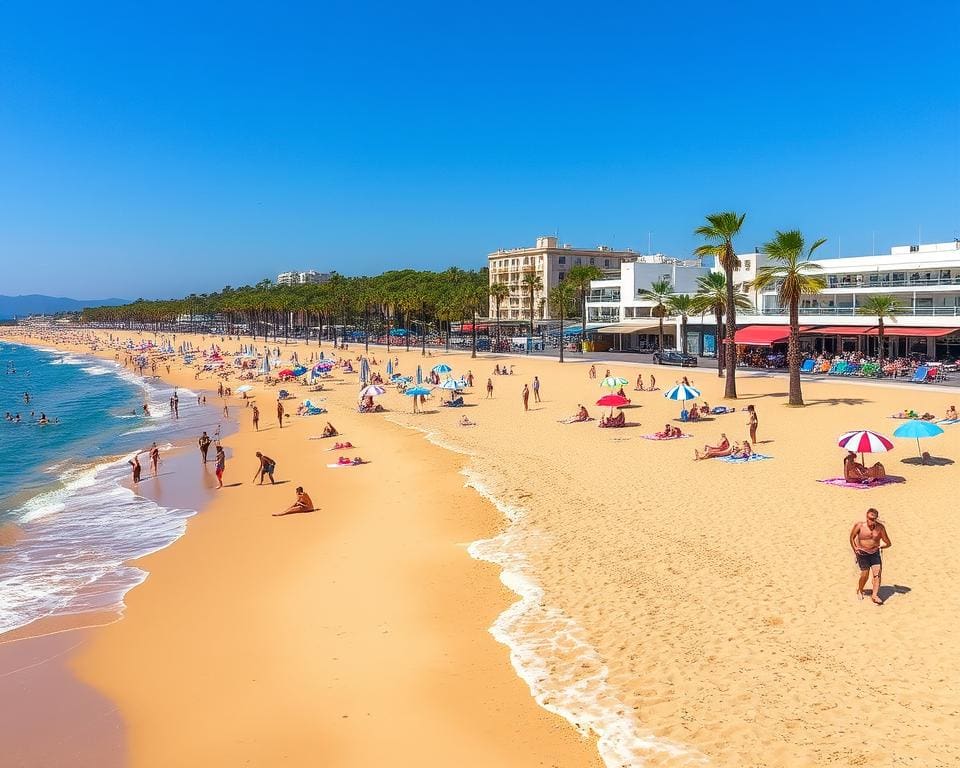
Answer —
(135, 465)
(204, 443)
(154, 458)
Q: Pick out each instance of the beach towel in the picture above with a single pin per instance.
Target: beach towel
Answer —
(949, 421)
(658, 437)
(744, 459)
(341, 448)
(720, 410)
(336, 466)
(842, 483)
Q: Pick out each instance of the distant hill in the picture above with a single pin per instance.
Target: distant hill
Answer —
(35, 304)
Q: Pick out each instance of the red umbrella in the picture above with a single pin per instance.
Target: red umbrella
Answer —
(614, 401)
(864, 441)
(285, 372)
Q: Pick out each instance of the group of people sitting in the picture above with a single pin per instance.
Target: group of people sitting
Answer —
(855, 472)
(909, 413)
(669, 432)
(368, 406)
(330, 431)
(650, 388)
(347, 461)
(619, 420)
(736, 450)
(499, 370)
(696, 413)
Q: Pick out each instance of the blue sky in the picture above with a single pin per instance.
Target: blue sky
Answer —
(155, 152)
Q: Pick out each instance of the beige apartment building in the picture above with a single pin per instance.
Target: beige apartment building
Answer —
(551, 262)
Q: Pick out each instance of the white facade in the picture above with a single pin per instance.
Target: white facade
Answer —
(550, 261)
(302, 278)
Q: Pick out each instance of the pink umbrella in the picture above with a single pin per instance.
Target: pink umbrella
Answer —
(864, 441)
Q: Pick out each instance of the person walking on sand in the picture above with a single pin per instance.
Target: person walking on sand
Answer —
(526, 397)
(867, 538)
(752, 423)
(267, 465)
(593, 371)
(221, 464)
(280, 413)
(204, 443)
(154, 458)
(536, 389)
(489, 389)
(303, 504)
(256, 418)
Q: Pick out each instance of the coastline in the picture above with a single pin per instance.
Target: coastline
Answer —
(457, 686)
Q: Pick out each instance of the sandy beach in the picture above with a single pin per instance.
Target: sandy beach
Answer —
(679, 612)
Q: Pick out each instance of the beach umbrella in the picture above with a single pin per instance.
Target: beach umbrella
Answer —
(614, 382)
(416, 391)
(419, 375)
(442, 368)
(364, 371)
(682, 392)
(244, 388)
(285, 372)
(299, 370)
(265, 366)
(453, 384)
(613, 401)
(864, 441)
(389, 367)
(917, 429)
(373, 390)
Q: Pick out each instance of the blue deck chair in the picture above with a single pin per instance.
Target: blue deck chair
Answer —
(920, 375)
(807, 366)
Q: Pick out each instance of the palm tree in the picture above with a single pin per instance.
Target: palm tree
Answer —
(498, 292)
(532, 282)
(711, 296)
(794, 275)
(581, 276)
(681, 304)
(561, 298)
(882, 308)
(719, 232)
(659, 293)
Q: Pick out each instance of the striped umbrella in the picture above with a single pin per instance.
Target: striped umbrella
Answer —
(372, 391)
(682, 392)
(453, 384)
(864, 441)
(442, 368)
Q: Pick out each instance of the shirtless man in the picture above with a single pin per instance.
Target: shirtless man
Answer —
(154, 458)
(303, 504)
(867, 538)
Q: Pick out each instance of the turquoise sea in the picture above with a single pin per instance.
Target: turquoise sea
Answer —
(68, 520)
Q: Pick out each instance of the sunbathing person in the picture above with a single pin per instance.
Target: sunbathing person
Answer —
(330, 430)
(303, 504)
(639, 386)
(714, 451)
(694, 414)
(580, 415)
(745, 451)
(667, 432)
(347, 444)
(465, 422)
(855, 472)
(952, 413)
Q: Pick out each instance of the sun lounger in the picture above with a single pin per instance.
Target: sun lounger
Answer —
(807, 366)
(862, 486)
(920, 375)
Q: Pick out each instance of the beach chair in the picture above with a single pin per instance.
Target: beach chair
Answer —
(837, 368)
(870, 369)
(934, 375)
(808, 365)
(920, 375)
(852, 369)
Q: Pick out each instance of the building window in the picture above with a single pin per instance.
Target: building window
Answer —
(914, 248)
(591, 260)
(579, 260)
(561, 275)
(606, 262)
(746, 265)
(562, 260)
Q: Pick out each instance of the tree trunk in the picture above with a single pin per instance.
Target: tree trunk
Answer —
(499, 345)
(474, 353)
(793, 355)
(366, 327)
(880, 341)
(531, 319)
(561, 331)
(423, 333)
(730, 388)
(406, 323)
(661, 336)
(718, 344)
(683, 333)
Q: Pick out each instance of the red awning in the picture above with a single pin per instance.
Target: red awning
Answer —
(764, 335)
(843, 330)
(468, 328)
(899, 331)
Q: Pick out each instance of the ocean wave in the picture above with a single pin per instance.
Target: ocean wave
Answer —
(550, 652)
(96, 370)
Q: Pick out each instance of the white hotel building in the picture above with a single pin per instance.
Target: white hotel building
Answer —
(309, 276)
(924, 278)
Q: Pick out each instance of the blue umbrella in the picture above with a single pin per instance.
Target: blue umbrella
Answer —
(364, 371)
(299, 370)
(917, 428)
(419, 375)
(265, 366)
(453, 384)
(415, 391)
(684, 393)
(389, 367)
(442, 368)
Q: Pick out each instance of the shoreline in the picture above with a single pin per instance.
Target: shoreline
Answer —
(541, 733)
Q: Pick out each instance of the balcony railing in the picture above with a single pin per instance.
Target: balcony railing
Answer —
(851, 311)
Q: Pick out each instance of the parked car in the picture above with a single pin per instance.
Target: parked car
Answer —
(673, 357)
